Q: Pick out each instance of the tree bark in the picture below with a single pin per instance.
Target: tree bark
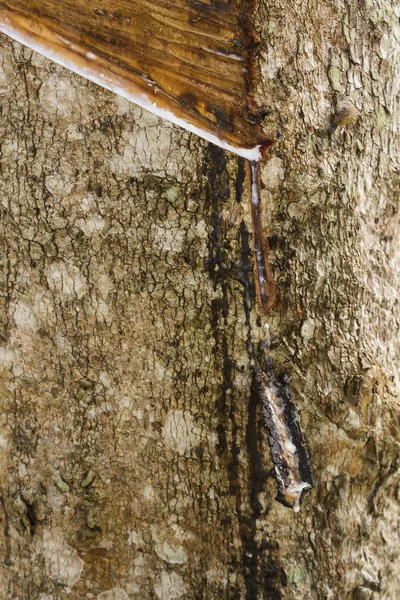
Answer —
(134, 463)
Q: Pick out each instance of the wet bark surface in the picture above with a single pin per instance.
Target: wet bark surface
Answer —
(133, 458)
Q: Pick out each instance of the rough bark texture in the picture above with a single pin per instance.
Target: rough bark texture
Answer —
(133, 463)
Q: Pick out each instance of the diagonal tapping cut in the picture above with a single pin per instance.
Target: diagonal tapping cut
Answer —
(192, 63)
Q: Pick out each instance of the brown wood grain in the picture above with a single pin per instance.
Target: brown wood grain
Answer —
(192, 57)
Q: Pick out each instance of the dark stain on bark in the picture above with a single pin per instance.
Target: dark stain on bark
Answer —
(32, 518)
(218, 265)
(251, 554)
(260, 572)
(217, 194)
(7, 559)
(240, 179)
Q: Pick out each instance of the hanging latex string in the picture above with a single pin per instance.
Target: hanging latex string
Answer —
(286, 441)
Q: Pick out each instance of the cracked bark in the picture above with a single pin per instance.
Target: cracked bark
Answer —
(133, 460)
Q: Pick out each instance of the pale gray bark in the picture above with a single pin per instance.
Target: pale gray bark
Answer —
(133, 461)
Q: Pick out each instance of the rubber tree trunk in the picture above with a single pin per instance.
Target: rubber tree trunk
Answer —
(134, 463)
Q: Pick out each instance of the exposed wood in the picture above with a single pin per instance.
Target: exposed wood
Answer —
(195, 59)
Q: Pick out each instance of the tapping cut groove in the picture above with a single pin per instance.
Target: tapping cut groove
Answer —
(192, 63)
